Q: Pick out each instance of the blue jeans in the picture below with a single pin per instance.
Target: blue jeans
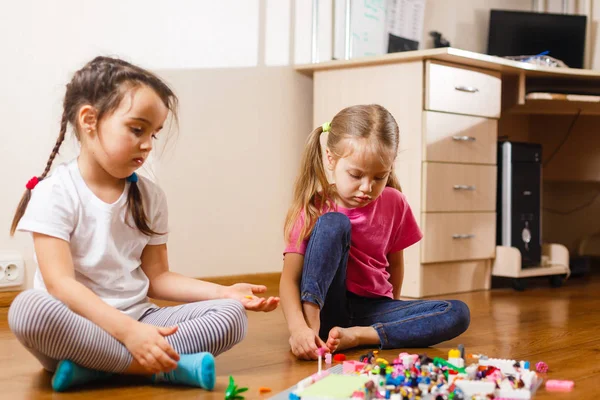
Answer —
(399, 323)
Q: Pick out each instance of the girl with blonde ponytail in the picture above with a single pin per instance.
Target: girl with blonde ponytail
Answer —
(100, 235)
(345, 232)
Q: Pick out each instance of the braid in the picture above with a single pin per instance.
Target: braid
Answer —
(136, 209)
(59, 141)
(27, 195)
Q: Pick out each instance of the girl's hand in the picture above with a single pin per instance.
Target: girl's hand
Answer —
(304, 343)
(147, 345)
(245, 293)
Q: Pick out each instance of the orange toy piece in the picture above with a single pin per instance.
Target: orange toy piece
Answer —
(264, 389)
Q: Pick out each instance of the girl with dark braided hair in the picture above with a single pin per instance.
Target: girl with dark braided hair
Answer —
(100, 235)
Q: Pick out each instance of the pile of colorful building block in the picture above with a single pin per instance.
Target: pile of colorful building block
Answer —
(412, 376)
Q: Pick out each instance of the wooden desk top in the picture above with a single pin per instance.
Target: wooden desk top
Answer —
(457, 56)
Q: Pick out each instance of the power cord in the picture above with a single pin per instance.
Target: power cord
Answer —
(556, 150)
(560, 145)
(573, 210)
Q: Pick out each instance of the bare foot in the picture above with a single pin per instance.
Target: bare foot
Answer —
(341, 339)
(346, 338)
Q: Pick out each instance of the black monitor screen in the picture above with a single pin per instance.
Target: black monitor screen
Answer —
(515, 33)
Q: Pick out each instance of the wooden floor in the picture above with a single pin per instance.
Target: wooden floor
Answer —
(558, 326)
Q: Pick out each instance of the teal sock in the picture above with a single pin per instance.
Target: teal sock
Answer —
(69, 374)
(193, 370)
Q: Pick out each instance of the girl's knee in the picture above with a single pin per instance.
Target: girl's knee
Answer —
(22, 306)
(238, 318)
(236, 308)
(27, 312)
(462, 315)
(332, 228)
(336, 222)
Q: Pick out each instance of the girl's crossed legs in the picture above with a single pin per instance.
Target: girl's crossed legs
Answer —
(52, 332)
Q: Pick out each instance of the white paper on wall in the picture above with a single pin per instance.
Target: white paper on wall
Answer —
(368, 28)
(405, 18)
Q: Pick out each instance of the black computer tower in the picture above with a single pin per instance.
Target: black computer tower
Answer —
(519, 199)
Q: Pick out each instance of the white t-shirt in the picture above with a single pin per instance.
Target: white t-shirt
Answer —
(106, 251)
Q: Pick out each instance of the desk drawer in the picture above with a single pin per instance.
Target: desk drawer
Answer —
(462, 91)
(459, 138)
(456, 277)
(458, 236)
(459, 187)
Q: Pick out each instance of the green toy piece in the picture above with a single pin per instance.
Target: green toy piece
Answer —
(232, 392)
(441, 362)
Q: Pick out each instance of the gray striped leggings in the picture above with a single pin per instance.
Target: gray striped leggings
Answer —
(52, 332)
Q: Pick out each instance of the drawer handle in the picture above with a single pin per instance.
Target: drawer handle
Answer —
(463, 236)
(468, 89)
(464, 187)
(464, 138)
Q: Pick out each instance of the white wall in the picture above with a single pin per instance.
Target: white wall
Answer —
(229, 178)
(244, 114)
(465, 23)
(244, 111)
(156, 33)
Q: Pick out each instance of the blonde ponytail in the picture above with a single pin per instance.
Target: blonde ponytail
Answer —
(311, 190)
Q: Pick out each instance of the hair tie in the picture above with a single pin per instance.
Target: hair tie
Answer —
(32, 183)
(133, 178)
(326, 126)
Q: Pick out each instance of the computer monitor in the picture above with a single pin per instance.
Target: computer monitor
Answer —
(517, 33)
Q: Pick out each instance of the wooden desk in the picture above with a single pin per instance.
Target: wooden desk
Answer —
(451, 105)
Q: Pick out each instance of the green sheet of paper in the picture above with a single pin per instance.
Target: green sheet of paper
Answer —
(336, 386)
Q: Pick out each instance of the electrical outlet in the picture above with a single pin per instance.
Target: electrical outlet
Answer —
(11, 272)
(12, 269)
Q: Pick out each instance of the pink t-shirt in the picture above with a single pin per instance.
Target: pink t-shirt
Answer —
(384, 226)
